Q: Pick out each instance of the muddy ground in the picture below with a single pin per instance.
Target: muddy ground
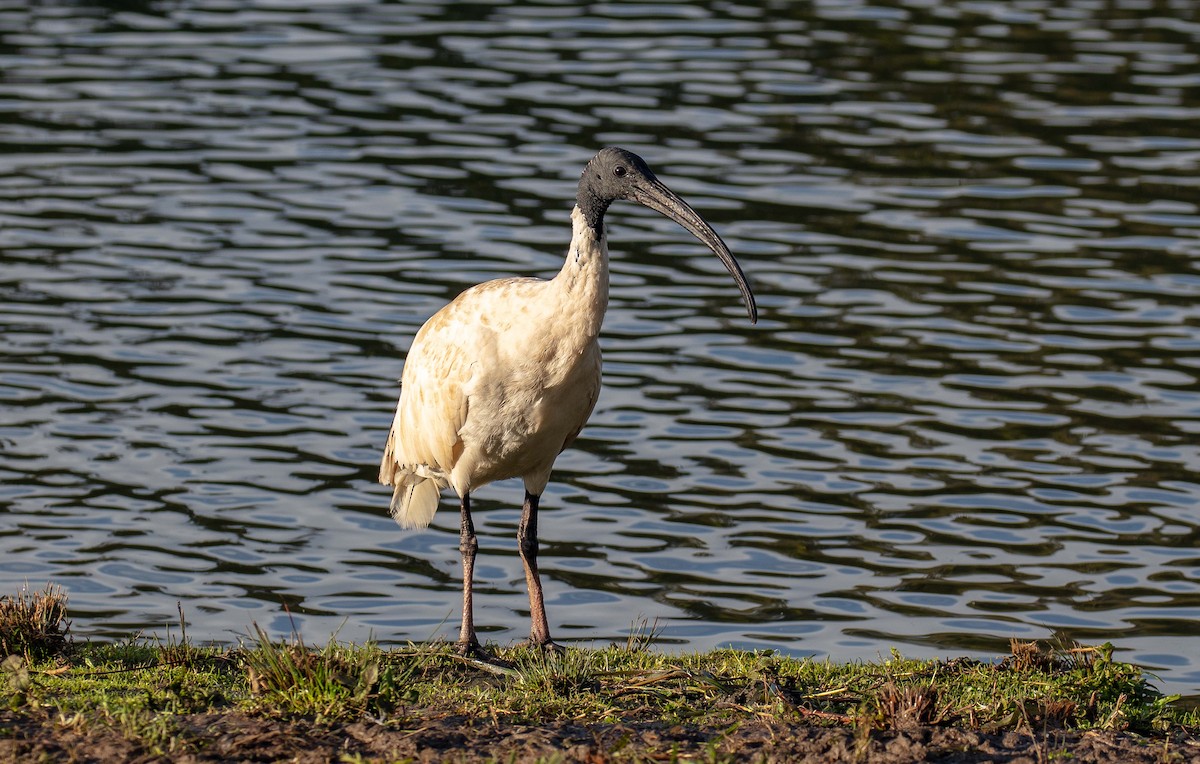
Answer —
(237, 737)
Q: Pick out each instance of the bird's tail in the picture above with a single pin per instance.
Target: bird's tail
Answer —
(415, 501)
(418, 487)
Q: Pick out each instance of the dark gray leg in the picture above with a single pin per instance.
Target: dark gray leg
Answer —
(467, 544)
(539, 628)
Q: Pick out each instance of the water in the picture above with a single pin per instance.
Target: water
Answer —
(970, 411)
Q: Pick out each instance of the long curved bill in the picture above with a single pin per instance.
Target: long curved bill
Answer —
(663, 200)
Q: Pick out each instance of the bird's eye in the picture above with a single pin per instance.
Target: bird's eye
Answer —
(619, 171)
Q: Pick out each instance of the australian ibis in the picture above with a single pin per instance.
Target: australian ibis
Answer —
(501, 380)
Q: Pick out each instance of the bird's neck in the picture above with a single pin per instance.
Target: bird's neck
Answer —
(583, 281)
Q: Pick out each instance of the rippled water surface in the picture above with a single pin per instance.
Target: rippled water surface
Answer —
(970, 410)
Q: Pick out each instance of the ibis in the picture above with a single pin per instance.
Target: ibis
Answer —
(498, 382)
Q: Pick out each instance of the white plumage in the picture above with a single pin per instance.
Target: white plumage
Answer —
(498, 383)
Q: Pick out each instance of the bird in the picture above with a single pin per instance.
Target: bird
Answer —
(500, 381)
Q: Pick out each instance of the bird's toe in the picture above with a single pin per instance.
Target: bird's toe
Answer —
(545, 645)
(471, 649)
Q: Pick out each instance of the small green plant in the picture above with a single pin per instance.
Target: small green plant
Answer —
(642, 634)
(16, 680)
(336, 682)
(179, 651)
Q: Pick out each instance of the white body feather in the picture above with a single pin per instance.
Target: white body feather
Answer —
(499, 382)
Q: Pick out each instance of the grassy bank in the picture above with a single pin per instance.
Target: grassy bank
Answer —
(266, 700)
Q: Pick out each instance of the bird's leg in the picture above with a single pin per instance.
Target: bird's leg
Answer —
(468, 545)
(539, 628)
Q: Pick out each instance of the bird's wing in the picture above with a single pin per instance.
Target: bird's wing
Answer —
(424, 441)
(433, 404)
(456, 353)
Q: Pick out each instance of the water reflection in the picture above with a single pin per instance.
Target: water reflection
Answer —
(968, 412)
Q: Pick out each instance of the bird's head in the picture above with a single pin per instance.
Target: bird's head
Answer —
(615, 174)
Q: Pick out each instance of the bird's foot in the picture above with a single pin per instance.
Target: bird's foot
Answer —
(475, 653)
(470, 648)
(546, 645)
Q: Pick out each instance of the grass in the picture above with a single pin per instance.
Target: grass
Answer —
(34, 624)
(147, 692)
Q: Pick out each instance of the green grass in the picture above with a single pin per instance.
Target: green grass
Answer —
(144, 689)
(336, 682)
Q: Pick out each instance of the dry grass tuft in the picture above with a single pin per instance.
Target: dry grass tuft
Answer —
(908, 707)
(1028, 656)
(1058, 714)
(35, 625)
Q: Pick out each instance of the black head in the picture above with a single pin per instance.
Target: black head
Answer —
(612, 174)
(619, 174)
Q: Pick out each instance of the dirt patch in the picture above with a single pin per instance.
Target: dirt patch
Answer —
(244, 738)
